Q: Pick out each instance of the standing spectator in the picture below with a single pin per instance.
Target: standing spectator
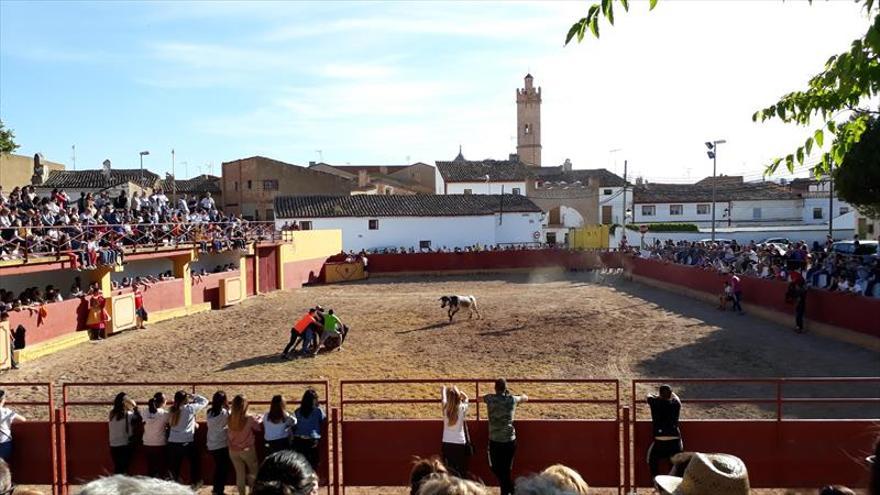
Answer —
(307, 433)
(7, 417)
(502, 435)
(456, 445)
(218, 419)
(124, 417)
(140, 312)
(736, 287)
(155, 434)
(665, 411)
(242, 449)
(799, 294)
(181, 436)
(19, 341)
(277, 424)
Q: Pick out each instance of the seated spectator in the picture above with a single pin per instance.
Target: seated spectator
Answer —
(708, 474)
(450, 485)
(836, 490)
(133, 485)
(286, 472)
(423, 469)
(562, 479)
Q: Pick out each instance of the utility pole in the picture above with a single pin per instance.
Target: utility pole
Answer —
(173, 179)
(624, 197)
(831, 201)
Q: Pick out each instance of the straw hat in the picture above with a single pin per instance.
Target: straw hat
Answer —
(708, 474)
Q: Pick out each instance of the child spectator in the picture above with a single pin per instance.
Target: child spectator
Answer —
(456, 446)
(155, 434)
(218, 418)
(7, 417)
(240, 438)
(277, 424)
(502, 435)
(181, 436)
(97, 318)
(139, 310)
(124, 417)
(309, 419)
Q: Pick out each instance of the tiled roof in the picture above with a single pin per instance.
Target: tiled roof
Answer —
(557, 176)
(400, 206)
(721, 180)
(196, 185)
(94, 179)
(460, 170)
(692, 193)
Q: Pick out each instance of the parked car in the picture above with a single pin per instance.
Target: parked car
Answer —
(776, 240)
(865, 248)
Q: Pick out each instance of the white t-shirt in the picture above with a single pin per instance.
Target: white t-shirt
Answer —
(154, 428)
(454, 433)
(6, 417)
(277, 431)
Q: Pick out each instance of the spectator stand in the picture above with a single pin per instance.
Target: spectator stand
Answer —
(574, 422)
(780, 448)
(84, 452)
(34, 457)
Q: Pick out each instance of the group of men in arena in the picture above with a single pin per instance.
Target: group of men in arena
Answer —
(315, 330)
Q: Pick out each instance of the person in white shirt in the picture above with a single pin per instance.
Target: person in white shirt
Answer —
(155, 432)
(277, 425)
(7, 417)
(456, 446)
(218, 419)
(182, 205)
(207, 202)
(124, 417)
(181, 435)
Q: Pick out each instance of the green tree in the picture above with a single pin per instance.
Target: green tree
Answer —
(7, 140)
(858, 180)
(843, 89)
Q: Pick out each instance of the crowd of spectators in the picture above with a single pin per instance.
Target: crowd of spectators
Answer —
(819, 266)
(96, 229)
(473, 248)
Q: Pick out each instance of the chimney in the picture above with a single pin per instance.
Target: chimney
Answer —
(638, 181)
(383, 170)
(363, 178)
(312, 164)
(513, 157)
(566, 166)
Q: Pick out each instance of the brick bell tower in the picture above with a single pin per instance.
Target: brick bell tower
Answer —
(528, 123)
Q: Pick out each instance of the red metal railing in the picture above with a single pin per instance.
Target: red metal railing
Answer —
(69, 240)
(26, 466)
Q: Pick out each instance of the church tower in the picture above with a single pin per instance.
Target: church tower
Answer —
(528, 123)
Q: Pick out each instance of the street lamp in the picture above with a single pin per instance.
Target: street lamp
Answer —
(142, 153)
(713, 155)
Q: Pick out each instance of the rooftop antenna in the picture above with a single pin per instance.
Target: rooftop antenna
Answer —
(320, 155)
(73, 155)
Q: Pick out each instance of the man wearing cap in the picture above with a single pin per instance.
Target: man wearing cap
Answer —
(665, 410)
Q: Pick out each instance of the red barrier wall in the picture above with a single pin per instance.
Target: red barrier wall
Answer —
(32, 453)
(251, 270)
(88, 454)
(207, 288)
(843, 310)
(164, 295)
(485, 260)
(297, 273)
(64, 317)
(590, 447)
(789, 453)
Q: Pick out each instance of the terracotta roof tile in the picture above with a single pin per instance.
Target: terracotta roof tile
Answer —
(400, 206)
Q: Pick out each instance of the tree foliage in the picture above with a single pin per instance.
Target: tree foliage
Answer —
(858, 180)
(844, 88)
(7, 140)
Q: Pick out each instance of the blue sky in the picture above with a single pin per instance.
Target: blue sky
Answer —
(402, 82)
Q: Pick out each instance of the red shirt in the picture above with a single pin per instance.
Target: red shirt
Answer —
(734, 284)
(304, 323)
(138, 299)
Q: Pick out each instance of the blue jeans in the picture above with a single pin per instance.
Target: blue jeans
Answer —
(6, 451)
(308, 340)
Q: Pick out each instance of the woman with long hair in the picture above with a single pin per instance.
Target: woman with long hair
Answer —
(155, 435)
(181, 435)
(286, 472)
(218, 418)
(124, 416)
(277, 425)
(307, 433)
(455, 448)
(242, 449)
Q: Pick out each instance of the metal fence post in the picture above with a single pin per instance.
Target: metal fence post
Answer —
(627, 457)
(335, 428)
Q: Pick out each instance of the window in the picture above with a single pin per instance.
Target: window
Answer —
(817, 213)
(703, 209)
(648, 210)
(606, 192)
(305, 225)
(756, 213)
(374, 224)
(468, 191)
(270, 185)
(249, 184)
(424, 245)
(528, 129)
(515, 190)
(676, 209)
(844, 210)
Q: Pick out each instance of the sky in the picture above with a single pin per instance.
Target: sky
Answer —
(400, 82)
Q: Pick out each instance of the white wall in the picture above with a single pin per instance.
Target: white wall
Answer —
(441, 231)
(771, 210)
(483, 188)
(810, 203)
(741, 212)
(689, 213)
(615, 201)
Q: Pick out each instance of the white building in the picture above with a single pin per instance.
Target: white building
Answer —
(421, 222)
(462, 176)
(815, 194)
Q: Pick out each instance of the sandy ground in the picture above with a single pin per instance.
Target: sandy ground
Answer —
(558, 325)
